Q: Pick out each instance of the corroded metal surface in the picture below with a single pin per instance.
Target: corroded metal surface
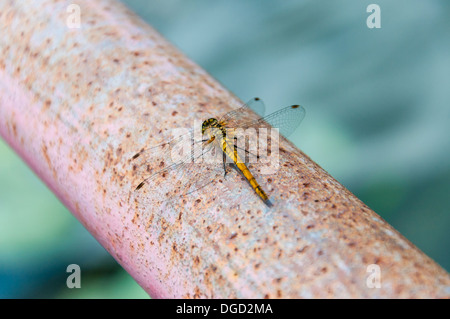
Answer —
(76, 104)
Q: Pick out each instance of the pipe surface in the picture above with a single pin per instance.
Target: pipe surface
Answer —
(77, 103)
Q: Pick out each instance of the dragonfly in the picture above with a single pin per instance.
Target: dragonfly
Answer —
(193, 160)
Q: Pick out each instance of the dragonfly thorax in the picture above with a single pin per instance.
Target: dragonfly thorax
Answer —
(213, 128)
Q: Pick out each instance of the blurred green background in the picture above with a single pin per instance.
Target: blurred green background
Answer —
(378, 111)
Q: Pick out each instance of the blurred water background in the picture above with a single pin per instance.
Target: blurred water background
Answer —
(377, 120)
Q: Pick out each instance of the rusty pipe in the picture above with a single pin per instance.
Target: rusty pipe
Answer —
(83, 88)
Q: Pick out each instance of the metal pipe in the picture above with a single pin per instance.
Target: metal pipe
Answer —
(77, 103)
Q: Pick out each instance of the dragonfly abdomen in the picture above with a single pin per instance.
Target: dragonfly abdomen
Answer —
(246, 172)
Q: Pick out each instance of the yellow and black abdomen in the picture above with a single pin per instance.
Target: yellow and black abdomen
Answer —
(233, 154)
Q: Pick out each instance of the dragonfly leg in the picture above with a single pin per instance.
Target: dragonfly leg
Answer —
(224, 158)
(247, 152)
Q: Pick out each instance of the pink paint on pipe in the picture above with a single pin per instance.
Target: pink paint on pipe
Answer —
(77, 104)
(53, 92)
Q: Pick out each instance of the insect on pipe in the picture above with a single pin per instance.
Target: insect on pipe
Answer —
(77, 105)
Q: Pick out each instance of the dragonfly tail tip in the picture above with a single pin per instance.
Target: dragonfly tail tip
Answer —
(268, 203)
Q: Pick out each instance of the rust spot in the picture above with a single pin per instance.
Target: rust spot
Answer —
(302, 250)
(47, 104)
(14, 127)
(164, 224)
(47, 159)
(197, 293)
(280, 253)
(174, 113)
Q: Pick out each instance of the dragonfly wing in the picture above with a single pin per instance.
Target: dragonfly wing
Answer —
(182, 176)
(163, 158)
(164, 155)
(245, 113)
(201, 170)
(200, 176)
(257, 105)
(286, 120)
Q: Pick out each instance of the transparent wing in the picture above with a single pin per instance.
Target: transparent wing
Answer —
(245, 113)
(197, 176)
(257, 105)
(286, 119)
(162, 158)
(176, 168)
